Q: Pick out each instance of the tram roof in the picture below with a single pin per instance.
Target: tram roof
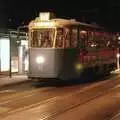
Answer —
(66, 22)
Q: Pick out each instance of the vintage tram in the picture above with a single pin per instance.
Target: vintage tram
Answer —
(66, 49)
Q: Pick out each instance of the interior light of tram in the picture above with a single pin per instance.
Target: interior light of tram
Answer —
(44, 24)
(119, 38)
(83, 32)
(44, 16)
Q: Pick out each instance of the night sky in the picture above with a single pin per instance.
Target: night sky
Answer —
(17, 12)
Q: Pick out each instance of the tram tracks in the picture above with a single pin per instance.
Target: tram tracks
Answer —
(73, 99)
(73, 106)
(71, 102)
(25, 93)
(41, 95)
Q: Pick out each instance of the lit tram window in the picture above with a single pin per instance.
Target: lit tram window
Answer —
(83, 32)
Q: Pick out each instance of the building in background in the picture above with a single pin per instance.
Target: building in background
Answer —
(11, 42)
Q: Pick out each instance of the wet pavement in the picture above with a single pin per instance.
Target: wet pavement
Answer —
(98, 100)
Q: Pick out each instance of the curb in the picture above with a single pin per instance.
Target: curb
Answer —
(11, 84)
(23, 80)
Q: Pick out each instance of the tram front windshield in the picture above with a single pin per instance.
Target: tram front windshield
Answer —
(42, 38)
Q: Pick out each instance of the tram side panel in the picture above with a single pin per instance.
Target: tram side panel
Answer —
(58, 63)
(44, 62)
(68, 69)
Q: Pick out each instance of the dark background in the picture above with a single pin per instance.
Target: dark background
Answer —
(14, 13)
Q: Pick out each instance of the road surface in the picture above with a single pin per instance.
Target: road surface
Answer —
(89, 101)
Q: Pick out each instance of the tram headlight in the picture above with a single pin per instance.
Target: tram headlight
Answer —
(78, 67)
(40, 59)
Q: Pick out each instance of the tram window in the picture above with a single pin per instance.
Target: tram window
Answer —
(42, 38)
(91, 40)
(83, 38)
(108, 44)
(114, 41)
(67, 38)
(63, 38)
(32, 41)
(106, 40)
(99, 39)
(59, 38)
(83, 34)
(74, 38)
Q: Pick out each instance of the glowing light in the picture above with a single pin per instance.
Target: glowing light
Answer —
(4, 53)
(14, 63)
(83, 32)
(119, 38)
(43, 24)
(24, 42)
(40, 60)
(93, 45)
(26, 63)
(78, 67)
(44, 16)
(118, 55)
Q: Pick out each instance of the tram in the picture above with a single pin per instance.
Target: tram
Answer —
(66, 49)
